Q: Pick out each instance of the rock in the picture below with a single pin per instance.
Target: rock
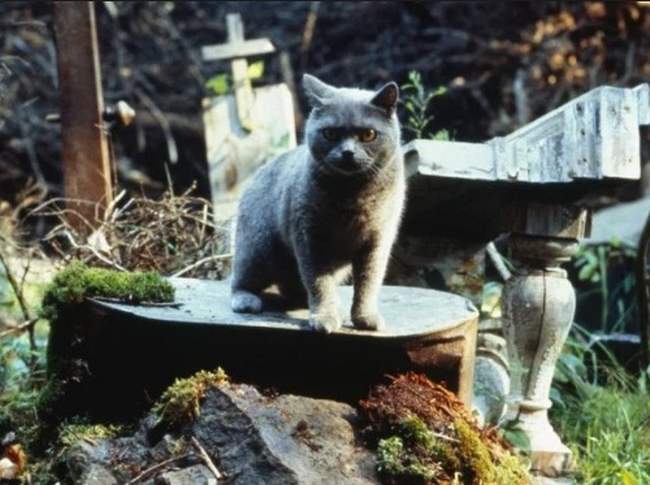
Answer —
(286, 440)
(251, 438)
(193, 475)
(98, 475)
(85, 464)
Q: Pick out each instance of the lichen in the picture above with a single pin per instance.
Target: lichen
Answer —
(181, 402)
(78, 281)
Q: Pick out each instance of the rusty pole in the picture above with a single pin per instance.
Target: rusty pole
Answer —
(86, 162)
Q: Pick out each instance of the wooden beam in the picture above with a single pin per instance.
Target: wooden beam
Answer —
(86, 162)
(246, 48)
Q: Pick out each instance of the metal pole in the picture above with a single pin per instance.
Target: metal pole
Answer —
(86, 162)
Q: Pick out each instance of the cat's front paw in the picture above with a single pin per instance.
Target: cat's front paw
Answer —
(368, 321)
(243, 301)
(325, 322)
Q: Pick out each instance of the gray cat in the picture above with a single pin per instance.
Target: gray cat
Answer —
(327, 207)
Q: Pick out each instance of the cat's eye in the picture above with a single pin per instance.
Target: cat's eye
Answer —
(367, 134)
(331, 134)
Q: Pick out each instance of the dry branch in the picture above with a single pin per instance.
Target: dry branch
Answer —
(174, 236)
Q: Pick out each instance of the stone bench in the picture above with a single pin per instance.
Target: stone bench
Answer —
(529, 185)
(133, 352)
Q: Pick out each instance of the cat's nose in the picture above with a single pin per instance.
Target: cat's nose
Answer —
(347, 156)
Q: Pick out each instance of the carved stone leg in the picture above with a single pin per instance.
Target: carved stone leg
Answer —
(538, 309)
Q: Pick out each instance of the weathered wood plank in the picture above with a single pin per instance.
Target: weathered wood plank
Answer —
(595, 136)
(245, 48)
(462, 160)
(86, 162)
(234, 154)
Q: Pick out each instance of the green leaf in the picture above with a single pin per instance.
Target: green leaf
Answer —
(442, 135)
(516, 436)
(255, 70)
(440, 91)
(218, 84)
(586, 272)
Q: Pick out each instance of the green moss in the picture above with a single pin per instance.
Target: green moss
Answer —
(181, 402)
(78, 281)
(49, 394)
(474, 454)
(394, 459)
(481, 464)
(72, 433)
(415, 454)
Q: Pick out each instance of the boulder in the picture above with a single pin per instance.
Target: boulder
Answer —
(250, 437)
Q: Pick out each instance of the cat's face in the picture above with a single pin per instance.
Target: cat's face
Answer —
(351, 131)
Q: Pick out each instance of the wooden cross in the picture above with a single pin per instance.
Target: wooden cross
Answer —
(236, 50)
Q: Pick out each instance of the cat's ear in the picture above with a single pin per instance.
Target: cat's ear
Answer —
(386, 98)
(316, 90)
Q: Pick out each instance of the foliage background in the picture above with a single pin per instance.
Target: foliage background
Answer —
(502, 64)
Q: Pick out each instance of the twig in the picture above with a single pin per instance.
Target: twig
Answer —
(156, 467)
(521, 98)
(200, 262)
(15, 287)
(308, 32)
(172, 149)
(139, 303)
(19, 328)
(30, 322)
(206, 458)
(94, 251)
(498, 262)
(445, 437)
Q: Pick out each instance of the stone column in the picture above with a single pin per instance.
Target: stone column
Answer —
(538, 309)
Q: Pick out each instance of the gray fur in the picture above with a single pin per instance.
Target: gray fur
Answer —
(325, 209)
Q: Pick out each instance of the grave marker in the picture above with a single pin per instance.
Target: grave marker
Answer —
(246, 128)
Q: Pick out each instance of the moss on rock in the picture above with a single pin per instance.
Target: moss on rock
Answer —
(426, 436)
(181, 402)
(79, 281)
(72, 433)
(69, 346)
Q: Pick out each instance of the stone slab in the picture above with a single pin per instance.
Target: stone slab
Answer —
(128, 354)
(407, 311)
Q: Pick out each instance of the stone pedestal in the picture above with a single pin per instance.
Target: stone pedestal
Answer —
(538, 306)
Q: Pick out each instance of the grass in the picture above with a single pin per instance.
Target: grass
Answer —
(608, 430)
(603, 416)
